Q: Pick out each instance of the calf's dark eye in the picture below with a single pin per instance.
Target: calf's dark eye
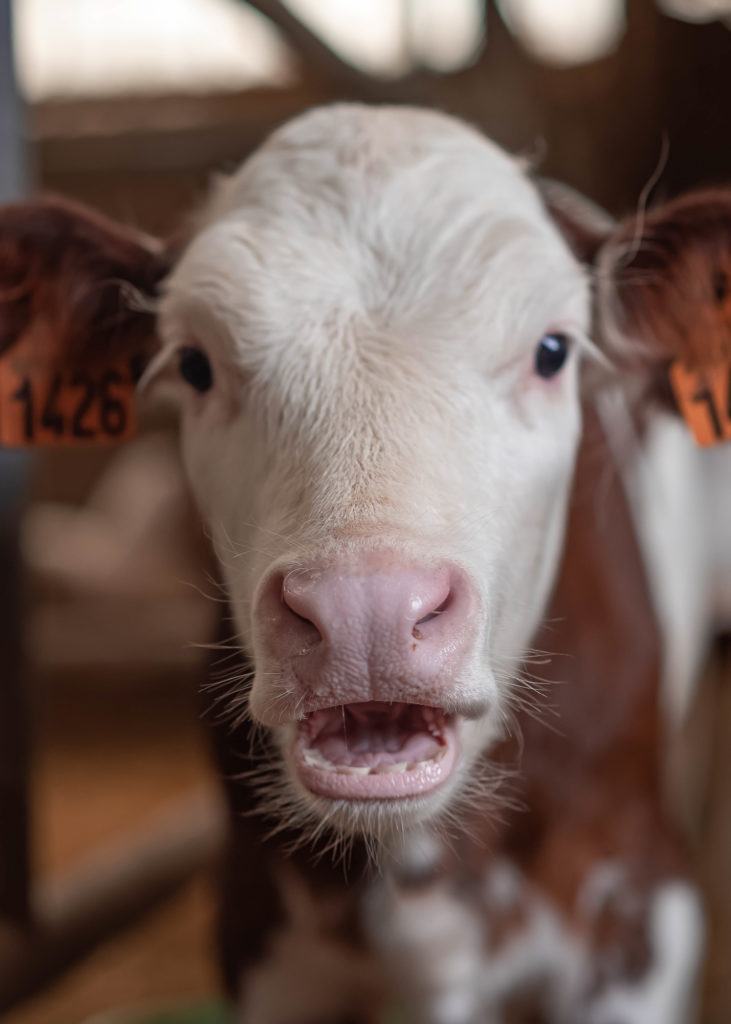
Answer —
(195, 369)
(551, 354)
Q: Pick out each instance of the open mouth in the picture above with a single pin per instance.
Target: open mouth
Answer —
(375, 750)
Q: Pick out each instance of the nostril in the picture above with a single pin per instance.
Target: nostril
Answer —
(301, 618)
(417, 632)
(300, 613)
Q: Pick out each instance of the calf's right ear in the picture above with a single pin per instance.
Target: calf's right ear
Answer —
(81, 284)
(663, 303)
(662, 298)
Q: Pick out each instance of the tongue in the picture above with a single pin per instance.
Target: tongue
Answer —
(375, 733)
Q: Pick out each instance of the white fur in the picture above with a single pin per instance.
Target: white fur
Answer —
(431, 944)
(681, 500)
(307, 973)
(672, 529)
(434, 941)
(716, 511)
(605, 881)
(666, 994)
(542, 950)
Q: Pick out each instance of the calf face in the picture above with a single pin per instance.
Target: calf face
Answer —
(375, 333)
(387, 324)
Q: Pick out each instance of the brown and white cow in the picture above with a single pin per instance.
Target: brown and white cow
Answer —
(379, 333)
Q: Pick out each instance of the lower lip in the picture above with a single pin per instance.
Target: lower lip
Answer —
(421, 780)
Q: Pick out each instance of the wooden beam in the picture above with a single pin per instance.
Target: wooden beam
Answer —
(111, 891)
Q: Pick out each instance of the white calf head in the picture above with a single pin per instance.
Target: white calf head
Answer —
(384, 444)
(374, 333)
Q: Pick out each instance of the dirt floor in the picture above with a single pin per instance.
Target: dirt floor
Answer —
(166, 960)
(105, 764)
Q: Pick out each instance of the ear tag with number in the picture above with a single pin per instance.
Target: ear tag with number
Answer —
(42, 403)
(704, 399)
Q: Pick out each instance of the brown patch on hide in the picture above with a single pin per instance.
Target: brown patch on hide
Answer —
(590, 762)
(78, 280)
(664, 279)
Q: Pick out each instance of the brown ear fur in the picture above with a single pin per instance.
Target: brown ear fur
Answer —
(664, 282)
(82, 278)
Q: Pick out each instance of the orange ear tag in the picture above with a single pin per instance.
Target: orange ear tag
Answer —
(704, 399)
(41, 403)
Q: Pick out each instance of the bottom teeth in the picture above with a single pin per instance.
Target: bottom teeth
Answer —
(315, 759)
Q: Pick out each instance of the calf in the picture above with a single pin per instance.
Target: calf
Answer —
(380, 331)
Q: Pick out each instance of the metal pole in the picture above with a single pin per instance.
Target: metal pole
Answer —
(14, 755)
(13, 165)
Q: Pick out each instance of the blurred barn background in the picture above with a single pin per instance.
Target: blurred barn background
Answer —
(108, 807)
